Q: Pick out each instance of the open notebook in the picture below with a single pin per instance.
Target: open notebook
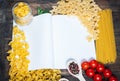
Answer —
(53, 39)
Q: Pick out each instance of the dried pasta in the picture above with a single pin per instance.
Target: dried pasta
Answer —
(86, 10)
(21, 10)
(105, 45)
(19, 63)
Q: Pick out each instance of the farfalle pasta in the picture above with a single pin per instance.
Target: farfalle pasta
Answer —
(19, 62)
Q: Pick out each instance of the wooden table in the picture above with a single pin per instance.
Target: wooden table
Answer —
(6, 32)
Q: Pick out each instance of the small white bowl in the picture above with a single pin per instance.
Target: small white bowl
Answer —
(79, 75)
(63, 79)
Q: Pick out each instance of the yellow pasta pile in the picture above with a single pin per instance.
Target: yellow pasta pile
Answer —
(86, 10)
(105, 45)
(19, 63)
(45, 75)
(18, 54)
(21, 10)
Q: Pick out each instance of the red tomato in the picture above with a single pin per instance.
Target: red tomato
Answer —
(93, 64)
(100, 68)
(107, 73)
(113, 78)
(85, 65)
(90, 72)
(97, 77)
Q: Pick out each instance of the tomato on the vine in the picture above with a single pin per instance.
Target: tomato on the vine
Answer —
(100, 68)
(85, 65)
(93, 64)
(113, 78)
(97, 77)
(107, 73)
(90, 72)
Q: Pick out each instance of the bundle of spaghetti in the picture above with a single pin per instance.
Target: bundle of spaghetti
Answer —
(105, 45)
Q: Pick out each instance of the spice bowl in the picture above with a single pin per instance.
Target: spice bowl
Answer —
(74, 69)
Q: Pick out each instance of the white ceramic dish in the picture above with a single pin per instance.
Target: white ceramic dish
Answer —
(79, 75)
(63, 79)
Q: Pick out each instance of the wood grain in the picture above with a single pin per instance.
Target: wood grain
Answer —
(6, 32)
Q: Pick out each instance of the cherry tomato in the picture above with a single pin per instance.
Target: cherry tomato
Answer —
(113, 78)
(90, 72)
(85, 65)
(97, 77)
(100, 68)
(107, 73)
(93, 64)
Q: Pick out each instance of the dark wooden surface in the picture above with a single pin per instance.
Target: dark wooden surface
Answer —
(6, 32)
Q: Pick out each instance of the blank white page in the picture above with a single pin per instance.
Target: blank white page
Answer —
(69, 40)
(38, 35)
